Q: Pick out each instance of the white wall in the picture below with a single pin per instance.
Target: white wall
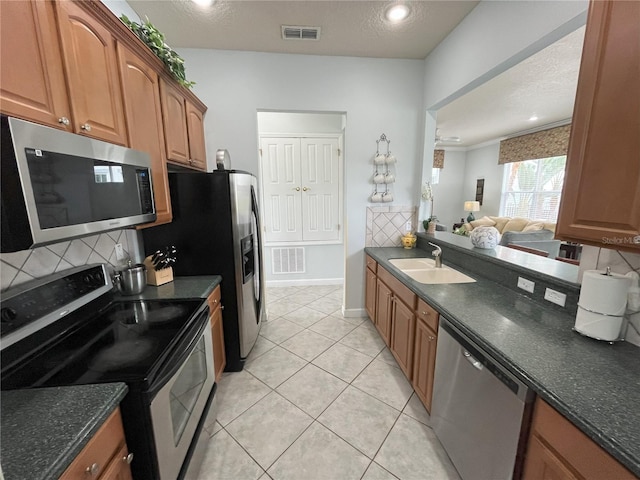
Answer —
(119, 7)
(495, 36)
(482, 162)
(323, 263)
(448, 193)
(289, 122)
(378, 96)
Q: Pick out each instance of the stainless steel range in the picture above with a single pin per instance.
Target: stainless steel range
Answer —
(69, 329)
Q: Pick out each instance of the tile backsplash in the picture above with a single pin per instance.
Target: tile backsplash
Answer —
(594, 258)
(385, 225)
(20, 267)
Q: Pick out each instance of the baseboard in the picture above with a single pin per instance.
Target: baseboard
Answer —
(353, 312)
(304, 282)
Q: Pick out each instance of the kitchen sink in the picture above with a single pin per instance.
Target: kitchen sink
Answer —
(423, 270)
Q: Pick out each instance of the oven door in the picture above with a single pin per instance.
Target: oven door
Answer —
(179, 405)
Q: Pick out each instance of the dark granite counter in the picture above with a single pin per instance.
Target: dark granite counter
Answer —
(199, 286)
(592, 383)
(44, 429)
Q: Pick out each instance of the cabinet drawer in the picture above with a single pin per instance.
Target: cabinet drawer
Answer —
(399, 290)
(574, 447)
(214, 299)
(107, 441)
(371, 263)
(427, 314)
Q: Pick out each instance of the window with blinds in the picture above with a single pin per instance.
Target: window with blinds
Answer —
(532, 188)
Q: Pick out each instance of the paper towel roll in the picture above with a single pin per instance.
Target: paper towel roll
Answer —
(602, 303)
(604, 294)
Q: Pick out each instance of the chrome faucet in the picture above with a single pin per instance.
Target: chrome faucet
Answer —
(437, 253)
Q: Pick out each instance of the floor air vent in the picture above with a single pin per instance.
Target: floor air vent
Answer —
(288, 260)
(290, 32)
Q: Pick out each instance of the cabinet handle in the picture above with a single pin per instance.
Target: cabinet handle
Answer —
(425, 313)
(304, 189)
(431, 338)
(215, 301)
(191, 161)
(86, 127)
(64, 121)
(297, 189)
(221, 307)
(93, 469)
(128, 459)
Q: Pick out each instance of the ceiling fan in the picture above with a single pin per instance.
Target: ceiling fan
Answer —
(440, 139)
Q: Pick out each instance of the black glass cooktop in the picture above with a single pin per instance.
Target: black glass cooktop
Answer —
(125, 342)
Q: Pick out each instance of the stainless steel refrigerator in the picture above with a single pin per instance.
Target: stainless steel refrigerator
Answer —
(216, 230)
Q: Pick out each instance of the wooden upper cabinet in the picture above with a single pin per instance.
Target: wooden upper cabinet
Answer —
(174, 115)
(140, 86)
(32, 83)
(89, 53)
(195, 130)
(601, 198)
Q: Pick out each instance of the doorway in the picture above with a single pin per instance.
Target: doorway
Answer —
(302, 192)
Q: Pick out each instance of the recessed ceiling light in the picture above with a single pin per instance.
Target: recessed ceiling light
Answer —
(533, 118)
(203, 3)
(397, 13)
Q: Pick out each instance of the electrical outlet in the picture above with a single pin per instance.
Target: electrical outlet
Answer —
(119, 252)
(407, 226)
(555, 297)
(525, 284)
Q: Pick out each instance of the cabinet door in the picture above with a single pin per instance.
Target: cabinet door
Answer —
(601, 198)
(424, 362)
(89, 54)
(383, 311)
(542, 464)
(320, 181)
(144, 123)
(195, 131)
(118, 468)
(217, 333)
(403, 324)
(370, 295)
(175, 124)
(281, 189)
(32, 84)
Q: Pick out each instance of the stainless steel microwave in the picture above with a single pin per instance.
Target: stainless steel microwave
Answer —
(57, 185)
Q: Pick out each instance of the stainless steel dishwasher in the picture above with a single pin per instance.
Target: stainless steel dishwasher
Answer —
(477, 408)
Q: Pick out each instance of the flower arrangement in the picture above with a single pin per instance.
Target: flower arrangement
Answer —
(154, 39)
(427, 194)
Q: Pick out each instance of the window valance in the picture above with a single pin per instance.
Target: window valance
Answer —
(553, 142)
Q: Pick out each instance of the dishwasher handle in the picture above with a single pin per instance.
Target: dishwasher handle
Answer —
(469, 358)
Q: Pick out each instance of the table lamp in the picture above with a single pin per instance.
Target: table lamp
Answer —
(471, 207)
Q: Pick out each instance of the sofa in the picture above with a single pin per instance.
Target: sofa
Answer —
(536, 234)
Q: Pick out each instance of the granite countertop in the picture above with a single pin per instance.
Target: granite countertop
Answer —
(44, 429)
(199, 286)
(594, 384)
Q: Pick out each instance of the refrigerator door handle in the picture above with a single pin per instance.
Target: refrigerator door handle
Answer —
(258, 252)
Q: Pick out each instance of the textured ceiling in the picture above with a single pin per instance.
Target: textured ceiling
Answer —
(349, 28)
(543, 85)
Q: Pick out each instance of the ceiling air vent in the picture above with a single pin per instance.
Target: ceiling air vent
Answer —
(290, 32)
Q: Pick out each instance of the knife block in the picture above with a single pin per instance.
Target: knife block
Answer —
(157, 277)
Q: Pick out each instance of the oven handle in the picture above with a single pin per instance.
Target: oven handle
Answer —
(183, 352)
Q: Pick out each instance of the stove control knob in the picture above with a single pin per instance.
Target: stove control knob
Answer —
(8, 315)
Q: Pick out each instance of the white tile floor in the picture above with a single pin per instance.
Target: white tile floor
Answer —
(320, 397)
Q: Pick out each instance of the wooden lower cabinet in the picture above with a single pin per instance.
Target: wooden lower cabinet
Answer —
(402, 333)
(105, 457)
(370, 294)
(558, 450)
(424, 362)
(383, 311)
(217, 333)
